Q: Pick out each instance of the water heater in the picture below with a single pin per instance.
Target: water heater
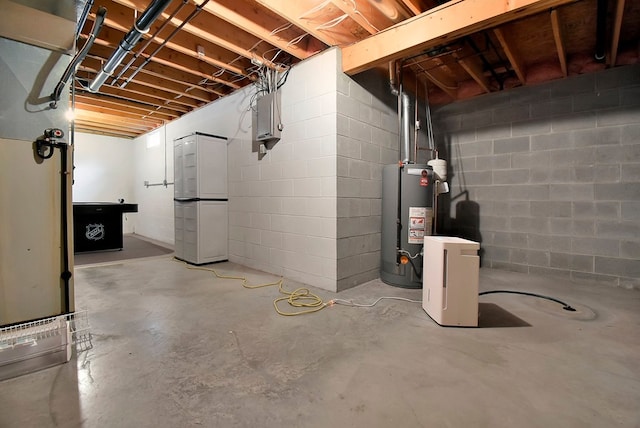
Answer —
(407, 214)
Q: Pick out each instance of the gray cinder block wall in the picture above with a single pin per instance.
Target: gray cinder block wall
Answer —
(367, 139)
(547, 177)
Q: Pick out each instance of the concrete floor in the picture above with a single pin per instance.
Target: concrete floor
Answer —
(178, 348)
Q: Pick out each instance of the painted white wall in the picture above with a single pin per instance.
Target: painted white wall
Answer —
(287, 215)
(283, 207)
(31, 250)
(228, 117)
(104, 172)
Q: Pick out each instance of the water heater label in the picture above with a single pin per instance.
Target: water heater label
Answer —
(417, 224)
(415, 171)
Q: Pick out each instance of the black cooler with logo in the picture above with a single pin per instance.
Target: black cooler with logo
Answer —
(97, 226)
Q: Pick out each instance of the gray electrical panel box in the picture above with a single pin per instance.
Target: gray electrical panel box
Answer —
(267, 124)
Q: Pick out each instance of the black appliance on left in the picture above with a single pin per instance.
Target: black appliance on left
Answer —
(97, 226)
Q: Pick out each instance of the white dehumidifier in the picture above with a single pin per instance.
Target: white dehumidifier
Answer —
(450, 277)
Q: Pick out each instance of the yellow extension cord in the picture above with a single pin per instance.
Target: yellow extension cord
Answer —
(298, 298)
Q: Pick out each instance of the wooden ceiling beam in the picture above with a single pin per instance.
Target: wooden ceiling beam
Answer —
(350, 9)
(439, 76)
(92, 64)
(469, 61)
(210, 28)
(415, 6)
(263, 24)
(92, 128)
(101, 123)
(145, 94)
(86, 116)
(152, 96)
(110, 120)
(615, 32)
(120, 18)
(119, 111)
(452, 20)
(557, 37)
(514, 58)
(316, 20)
(393, 10)
(124, 105)
(184, 43)
(154, 68)
(365, 14)
(198, 95)
(108, 133)
(176, 60)
(151, 103)
(162, 97)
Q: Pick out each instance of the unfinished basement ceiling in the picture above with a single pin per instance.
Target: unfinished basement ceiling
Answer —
(199, 51)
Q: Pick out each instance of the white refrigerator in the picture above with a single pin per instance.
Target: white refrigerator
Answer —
(200, 198)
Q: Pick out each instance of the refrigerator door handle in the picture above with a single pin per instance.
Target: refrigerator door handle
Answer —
(186, 199)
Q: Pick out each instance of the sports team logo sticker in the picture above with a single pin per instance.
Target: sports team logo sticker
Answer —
(94, 232)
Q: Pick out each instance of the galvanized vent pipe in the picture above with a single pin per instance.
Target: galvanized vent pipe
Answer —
(406, 128)
(149, 41)
(404, 111)
(140, 27)
(175, 31)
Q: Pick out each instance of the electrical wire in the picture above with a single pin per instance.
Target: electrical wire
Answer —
(565, 305)
(245, 282)
(415, 269)
(283, 27)
(315, 9)
(332, 23)
(408, 254)
(370, 305)
(298, 298)
(357, 12)
(303, 298)
(297, 40)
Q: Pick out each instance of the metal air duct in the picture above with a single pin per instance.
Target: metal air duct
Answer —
(140, 27)
(406, 128)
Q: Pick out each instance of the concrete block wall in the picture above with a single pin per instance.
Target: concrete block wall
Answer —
(282, 208)
(309, 210)
(367, 133)
(547, 177)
